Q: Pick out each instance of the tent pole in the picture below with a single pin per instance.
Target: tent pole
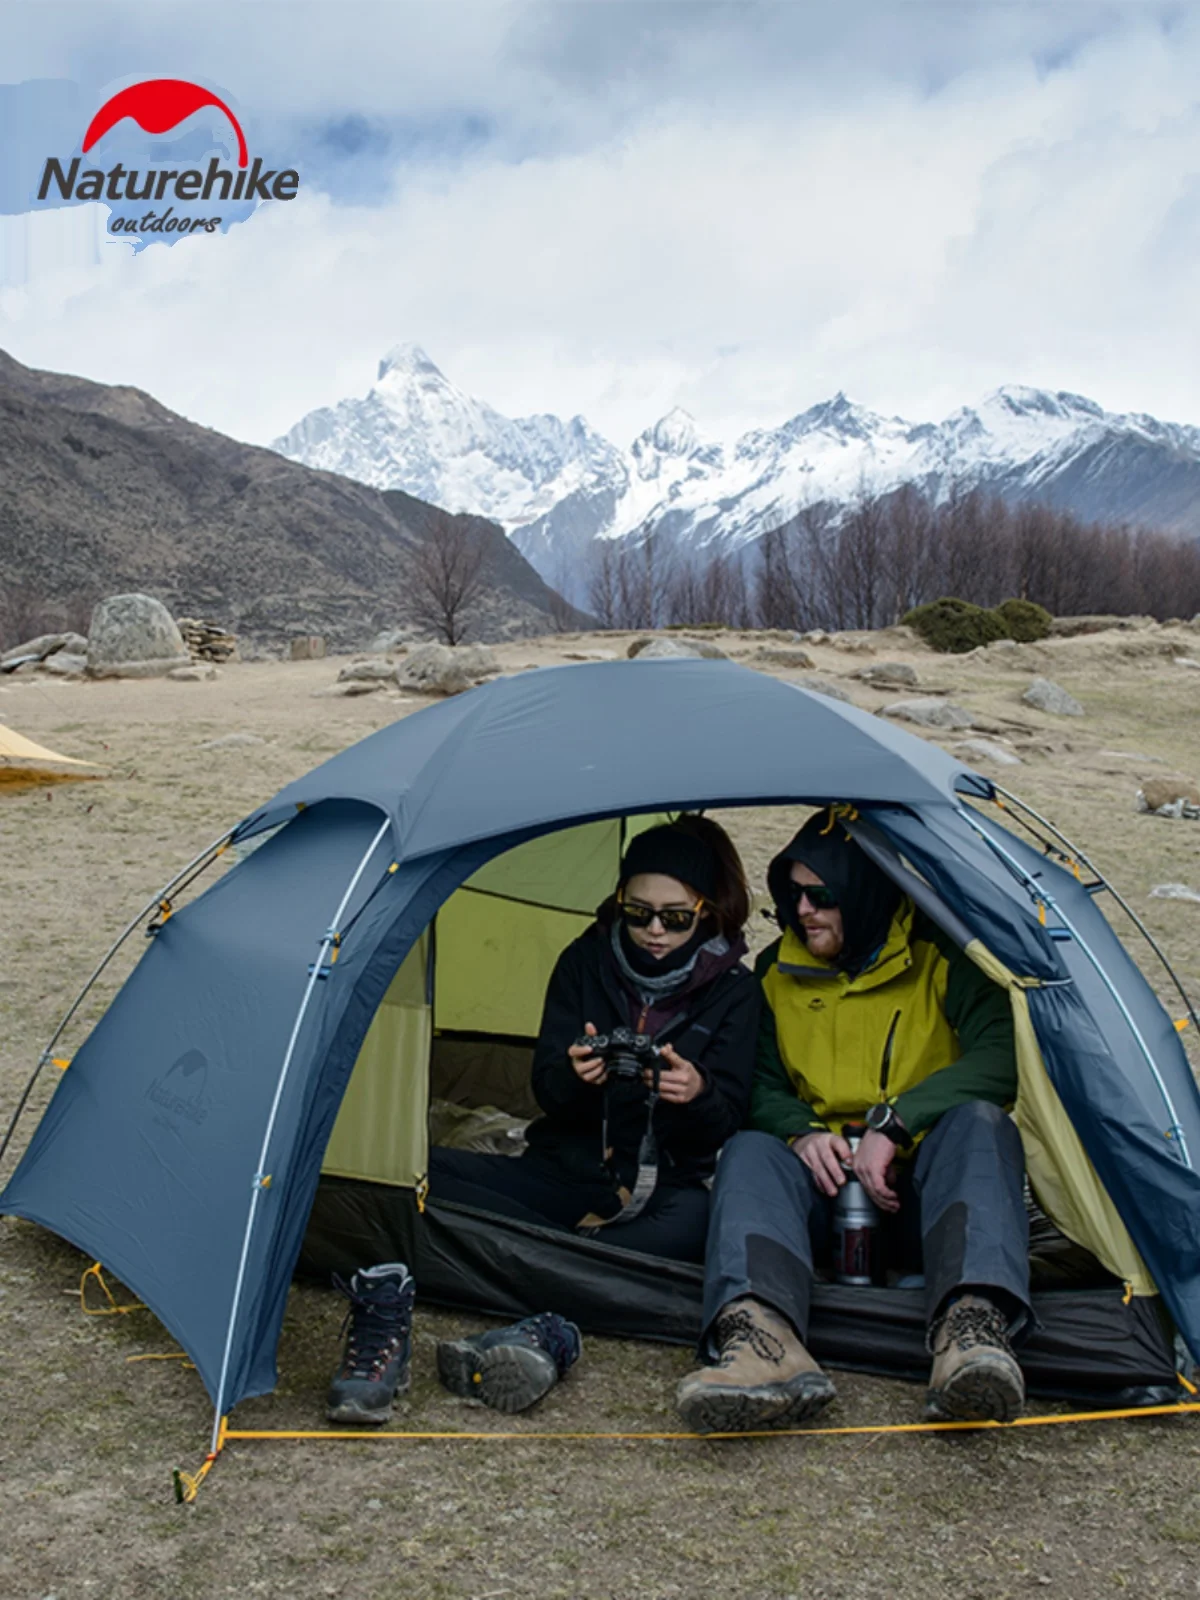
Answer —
(1117, 896)
(1036, 891)
(262, 1177)
(210, 852)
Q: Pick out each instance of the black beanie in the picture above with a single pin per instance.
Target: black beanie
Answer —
(676, 853)
(867, 897)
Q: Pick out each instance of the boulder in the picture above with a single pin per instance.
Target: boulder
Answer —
(986, 750)
(368, 672)
(815, 636)
(133, 636)
(780, 656)
(198, 672)
(1174, 891)
(854, 643)
(444, 668)
(308, 647)
(888, 674)
(1072, 627)
(929, 713)
(1169, 797)
(654, 647)
(64, 664)
(1045, 695)
(46, 644)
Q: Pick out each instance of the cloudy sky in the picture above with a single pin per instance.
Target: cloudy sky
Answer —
(615, 206)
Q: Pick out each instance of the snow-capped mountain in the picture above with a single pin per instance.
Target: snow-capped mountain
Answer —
(556, 487)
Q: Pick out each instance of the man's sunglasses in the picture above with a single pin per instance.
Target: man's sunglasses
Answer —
(675, 919)
(818, 896)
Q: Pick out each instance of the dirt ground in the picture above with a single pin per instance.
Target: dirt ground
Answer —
(89, 1434)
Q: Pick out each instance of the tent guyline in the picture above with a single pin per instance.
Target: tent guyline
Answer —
(187, 1484)
(160, 902)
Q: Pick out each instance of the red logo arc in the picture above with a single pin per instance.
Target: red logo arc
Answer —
(157, 106)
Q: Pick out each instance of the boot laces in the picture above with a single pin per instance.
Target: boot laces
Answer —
(553, 1334)
(739, 1330)
(375, 1327)
(968, 1327)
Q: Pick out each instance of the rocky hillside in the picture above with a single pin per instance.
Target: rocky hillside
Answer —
(103, 490)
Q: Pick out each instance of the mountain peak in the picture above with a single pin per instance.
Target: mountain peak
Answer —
(407, 360)
(675, 434)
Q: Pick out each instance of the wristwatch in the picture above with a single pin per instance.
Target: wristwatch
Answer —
(883, 1118)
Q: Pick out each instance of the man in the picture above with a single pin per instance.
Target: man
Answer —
(871, 1015)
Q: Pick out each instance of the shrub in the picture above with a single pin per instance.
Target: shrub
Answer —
(954, 626)
(1024, 620)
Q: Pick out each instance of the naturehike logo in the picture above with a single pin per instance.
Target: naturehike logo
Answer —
(158, 106)
(183, 1088)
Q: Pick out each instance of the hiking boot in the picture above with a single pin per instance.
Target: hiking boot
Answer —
(975, 1375)
(763, 1376)
(511, 1368)
(378, 1329)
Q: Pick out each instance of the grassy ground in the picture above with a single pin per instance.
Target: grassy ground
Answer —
(88, 1435)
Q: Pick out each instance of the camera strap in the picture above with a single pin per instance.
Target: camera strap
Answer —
(635, 1200)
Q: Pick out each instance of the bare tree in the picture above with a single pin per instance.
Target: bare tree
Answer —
(447, 577)
(602, 583)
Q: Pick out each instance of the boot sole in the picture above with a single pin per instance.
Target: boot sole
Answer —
(710, 1409)
(983, 1391)
(356, 1411)
(507, 1378)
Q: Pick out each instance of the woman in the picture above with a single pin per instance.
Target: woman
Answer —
(629, 1132)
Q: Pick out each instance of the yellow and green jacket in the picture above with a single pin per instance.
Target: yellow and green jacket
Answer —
(920, 1027)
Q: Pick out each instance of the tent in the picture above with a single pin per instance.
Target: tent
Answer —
(23, 762)
(396, 924)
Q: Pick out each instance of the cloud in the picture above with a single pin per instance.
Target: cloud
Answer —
(740, 209)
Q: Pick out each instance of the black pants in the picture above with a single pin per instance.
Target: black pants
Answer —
(963, 1193)
(673, 1223)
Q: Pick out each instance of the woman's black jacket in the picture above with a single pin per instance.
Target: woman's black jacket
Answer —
(714, 1028)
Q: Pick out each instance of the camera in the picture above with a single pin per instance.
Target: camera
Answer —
(626, 1054)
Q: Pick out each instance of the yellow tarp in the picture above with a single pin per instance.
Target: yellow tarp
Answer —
(22, 761)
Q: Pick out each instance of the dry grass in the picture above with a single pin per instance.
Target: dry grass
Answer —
(88, 1437)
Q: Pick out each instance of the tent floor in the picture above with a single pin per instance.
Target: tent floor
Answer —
(1090, 1346)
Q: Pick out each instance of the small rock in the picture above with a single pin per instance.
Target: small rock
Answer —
(368, 671)
(134, 636)
(815, 636)
(344, 691)
(929, 713)
(1186, 661)
(1169, 797)
(1134, 755)
(232, 741)
(199, 672)
(888, 674)
(308, 647)
(985, 750)
(831, 691)
(1045, 695)
(780, 656)
(374, 1505)
(64, 664)
(1174, 891)
(1001, 647)
(392, 642)
(654, 647)
(854, 643)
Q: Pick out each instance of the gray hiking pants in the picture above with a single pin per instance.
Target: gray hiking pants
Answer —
(961, 1207)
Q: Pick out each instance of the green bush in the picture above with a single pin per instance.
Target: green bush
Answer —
(1024, 620)
(954, 626)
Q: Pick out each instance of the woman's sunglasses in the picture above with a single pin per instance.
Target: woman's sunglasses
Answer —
(675, 919)
(818, 896)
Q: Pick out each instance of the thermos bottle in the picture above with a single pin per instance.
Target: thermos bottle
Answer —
(855, 1225)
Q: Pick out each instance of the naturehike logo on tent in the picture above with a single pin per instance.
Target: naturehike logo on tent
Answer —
(159, 106)
(183, 1088)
